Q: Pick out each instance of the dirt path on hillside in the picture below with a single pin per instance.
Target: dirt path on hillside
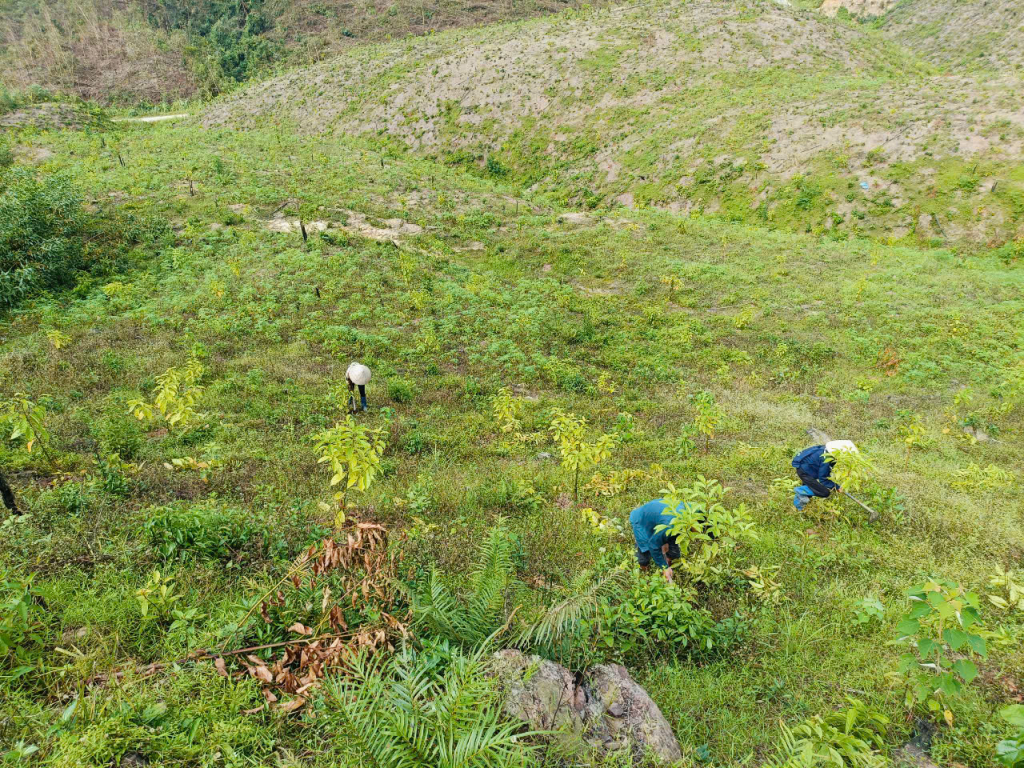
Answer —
(150, 118)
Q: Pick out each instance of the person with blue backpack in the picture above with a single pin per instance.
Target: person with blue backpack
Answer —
(813, 466)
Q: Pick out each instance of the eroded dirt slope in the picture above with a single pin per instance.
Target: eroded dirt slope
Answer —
(759, 111)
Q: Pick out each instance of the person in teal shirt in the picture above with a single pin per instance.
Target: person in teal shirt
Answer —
(653, 544)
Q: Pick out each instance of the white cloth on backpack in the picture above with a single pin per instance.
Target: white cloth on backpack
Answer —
(832, 446)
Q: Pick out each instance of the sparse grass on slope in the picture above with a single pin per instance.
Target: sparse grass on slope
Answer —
(962, 35)
(497, 290)
(127, 54)
(757, 113)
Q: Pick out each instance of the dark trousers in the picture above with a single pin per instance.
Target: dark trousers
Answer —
(644, 558)
(814, 484)
(362, 395)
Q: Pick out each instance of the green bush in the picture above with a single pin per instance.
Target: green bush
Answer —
(652, 616)
(119, 434)
(211, 532)
(41, 223)
(20, 625)
(401, 391)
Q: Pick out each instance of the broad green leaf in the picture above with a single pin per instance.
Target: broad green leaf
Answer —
(947, 684)
(1014, 715)
(969, 616)
(919, 611)
(908, 627)
(955, 637)
(966, 669)
(1010, 752)
(977, 644)
(926, 647)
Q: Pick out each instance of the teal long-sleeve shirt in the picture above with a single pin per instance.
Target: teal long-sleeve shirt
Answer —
(644, 520)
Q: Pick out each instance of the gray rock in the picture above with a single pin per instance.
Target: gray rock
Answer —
(912, 756)
(544, 456)
(602, 708)
(978, 434)
(640, 719)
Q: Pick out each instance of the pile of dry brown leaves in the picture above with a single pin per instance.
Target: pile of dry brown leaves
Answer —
(367, 572)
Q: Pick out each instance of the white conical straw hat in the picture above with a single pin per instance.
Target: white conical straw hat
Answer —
(840, 445)
(358, 374)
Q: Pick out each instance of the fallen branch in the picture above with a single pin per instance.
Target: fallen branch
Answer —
(204, 654)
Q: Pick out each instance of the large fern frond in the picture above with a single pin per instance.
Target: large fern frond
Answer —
(404, 717)
(472, 617)
(562, 619)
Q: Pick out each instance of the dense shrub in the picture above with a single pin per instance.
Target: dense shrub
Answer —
(211, 532)
(41, 223)
(652, 616)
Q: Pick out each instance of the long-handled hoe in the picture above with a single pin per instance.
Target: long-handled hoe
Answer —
(872, 515)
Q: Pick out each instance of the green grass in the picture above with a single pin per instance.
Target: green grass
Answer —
(497, 291)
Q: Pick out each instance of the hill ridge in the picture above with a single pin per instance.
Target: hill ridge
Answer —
(764, 113)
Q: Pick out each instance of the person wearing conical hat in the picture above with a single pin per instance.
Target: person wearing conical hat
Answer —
(814, 467)
(357, 375)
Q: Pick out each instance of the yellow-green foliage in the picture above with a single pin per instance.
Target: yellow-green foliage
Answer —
(352, 453)
(177, 392)
(24, 419)
(706, 530)
(507, 411)
(850, 469)
(570, 432)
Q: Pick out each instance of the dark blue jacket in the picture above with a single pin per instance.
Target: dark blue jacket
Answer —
(811, 462)
(644, 520)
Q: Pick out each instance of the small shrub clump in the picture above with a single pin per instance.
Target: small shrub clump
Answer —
(41, 225)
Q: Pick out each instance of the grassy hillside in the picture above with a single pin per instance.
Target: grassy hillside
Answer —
(452, 286)
(758, 113)
(95, 49)
(973, 35)
(124, 53)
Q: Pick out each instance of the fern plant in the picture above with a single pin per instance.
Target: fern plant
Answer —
(478, 612)
(848, 739)
(404, 714)
(556, 631)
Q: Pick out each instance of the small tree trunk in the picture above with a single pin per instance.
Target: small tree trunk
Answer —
(8, 496)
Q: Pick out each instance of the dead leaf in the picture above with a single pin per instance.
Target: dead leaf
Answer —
(291, 706)
(220, 666)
